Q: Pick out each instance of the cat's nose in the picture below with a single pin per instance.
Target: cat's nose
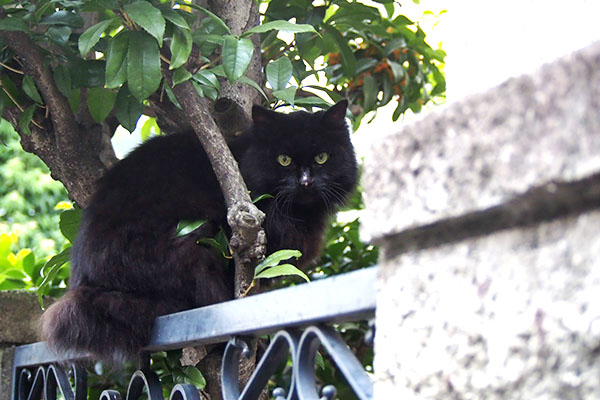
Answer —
(305, 178)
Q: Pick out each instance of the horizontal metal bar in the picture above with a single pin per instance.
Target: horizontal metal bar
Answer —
(347, 297)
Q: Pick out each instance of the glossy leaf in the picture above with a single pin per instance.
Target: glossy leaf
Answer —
(288, 94)
(250, 82)
(90, 37)
(176, 19)
(63, 17)
(275, 258)
(281, 25)
(212, 16)
(181, 47)
(148, 17)
(116, 60)
(143, 65)
(50, 271)
(149, 127)
(181, 75)
(279, 73)
(348, 59)
(281, 270)
(237, 54)
(100, 102)
(13, 24)
(31, 90)
(69, 223)
(26, 118)
(185, 227)
(128, 109)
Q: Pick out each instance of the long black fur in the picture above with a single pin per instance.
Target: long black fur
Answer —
(128, 266)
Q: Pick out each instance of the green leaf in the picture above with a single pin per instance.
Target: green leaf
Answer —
(62, 78)
(370, 90)
(100, 102)
(148, 17)
(63, 17)
(275, 258)
(212, 16)
(219, 245)
(13, 24)
(148, 128)
(281, 25)
(262, 197)
(181, 47)
(172, 97)
(116, 60)
(90, 37)
(69, 223)
(279, 73)
(281, 270)
(250, 82)
(50, 271)
(128, 109)
(176, 19)
(237, 54)
(397, 71)
(194, 377)
(31, 90)
(60, 34)
(207, 78)
(26, 118)
(11, 284)
(181, 75)
(143, 65)
(185, 227)
(348, 59)
(288, 94)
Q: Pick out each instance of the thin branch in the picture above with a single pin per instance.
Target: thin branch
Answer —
(65, 126)
(8, 67)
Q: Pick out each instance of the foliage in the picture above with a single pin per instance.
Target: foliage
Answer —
(361, 53)
(28, 197)
(113, 65)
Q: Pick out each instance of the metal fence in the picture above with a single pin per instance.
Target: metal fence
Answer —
(298, 319)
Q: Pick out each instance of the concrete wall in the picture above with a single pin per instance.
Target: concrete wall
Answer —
(19, 314)
(488, 214)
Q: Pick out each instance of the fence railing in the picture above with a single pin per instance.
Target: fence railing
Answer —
(298, 318)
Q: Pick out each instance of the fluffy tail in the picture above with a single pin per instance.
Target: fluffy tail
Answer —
(109, 325)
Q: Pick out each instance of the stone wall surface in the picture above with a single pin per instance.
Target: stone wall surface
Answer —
(488, 216)
(512, 315)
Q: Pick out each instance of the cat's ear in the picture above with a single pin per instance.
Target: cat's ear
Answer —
(336, 114)
(261, 116)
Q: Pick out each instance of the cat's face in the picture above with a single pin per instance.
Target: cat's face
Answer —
(302, 159)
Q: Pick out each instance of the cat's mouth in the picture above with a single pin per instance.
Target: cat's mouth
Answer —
(305, 196)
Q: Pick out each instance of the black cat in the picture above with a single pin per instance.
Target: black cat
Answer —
(128, 266)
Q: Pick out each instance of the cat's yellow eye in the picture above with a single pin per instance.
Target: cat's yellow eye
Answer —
(284, 160)
(321, 158)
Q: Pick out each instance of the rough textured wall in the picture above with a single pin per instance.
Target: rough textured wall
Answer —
(488, 214)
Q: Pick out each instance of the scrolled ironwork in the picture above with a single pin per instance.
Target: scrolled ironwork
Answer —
(110, 395)
(282, 344)
(144, 379)
(304, 372)
(302, 349)
(184, 391)
(47, 380)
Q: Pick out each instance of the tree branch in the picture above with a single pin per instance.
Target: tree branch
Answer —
(243, 216)
(78, 159)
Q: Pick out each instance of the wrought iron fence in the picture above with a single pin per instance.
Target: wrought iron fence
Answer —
(298, 318)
